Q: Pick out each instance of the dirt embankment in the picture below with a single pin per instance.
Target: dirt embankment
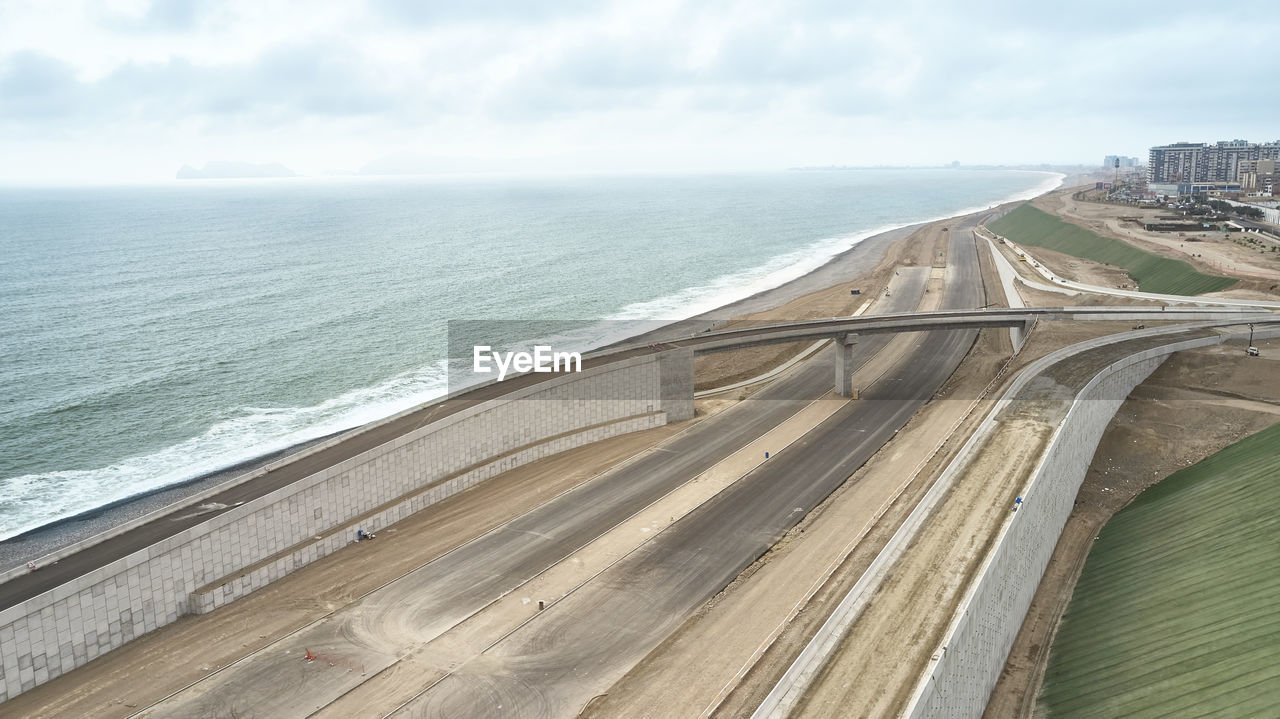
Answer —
(1068, 266)
(1255, 263)
(1230, 396)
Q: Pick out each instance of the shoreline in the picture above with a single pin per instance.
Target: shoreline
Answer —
(41, 541)
(856, 261)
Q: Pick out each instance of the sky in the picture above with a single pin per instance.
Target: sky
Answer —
(121, 91)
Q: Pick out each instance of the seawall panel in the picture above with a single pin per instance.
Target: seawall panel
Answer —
(76, 622)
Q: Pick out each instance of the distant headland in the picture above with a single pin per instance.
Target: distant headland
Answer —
(226, 170)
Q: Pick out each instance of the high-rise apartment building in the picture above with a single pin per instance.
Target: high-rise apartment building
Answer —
(1202, 162)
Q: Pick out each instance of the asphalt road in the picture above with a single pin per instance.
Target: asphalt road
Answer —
(377, 631)
(553, 665)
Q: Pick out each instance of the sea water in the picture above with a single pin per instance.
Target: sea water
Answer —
(149, 335)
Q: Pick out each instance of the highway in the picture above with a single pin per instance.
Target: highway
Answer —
(554, 664)
(27, 585)
(377, 631)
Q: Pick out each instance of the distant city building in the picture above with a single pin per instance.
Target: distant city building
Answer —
(1259, 177)
(1201, 162)
(1112, 162)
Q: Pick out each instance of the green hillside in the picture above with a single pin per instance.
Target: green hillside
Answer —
(1177, 613)
(1030, 226)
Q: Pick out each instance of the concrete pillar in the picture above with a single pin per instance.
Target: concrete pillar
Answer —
(844, 363)
(1018, 335)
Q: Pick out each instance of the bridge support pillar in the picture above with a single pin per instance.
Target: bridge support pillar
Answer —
(1018, 335)
(844, 363)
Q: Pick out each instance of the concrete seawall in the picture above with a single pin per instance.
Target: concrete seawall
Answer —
(243, 549)
(960, 677)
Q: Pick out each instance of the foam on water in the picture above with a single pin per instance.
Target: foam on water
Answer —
(254, 432)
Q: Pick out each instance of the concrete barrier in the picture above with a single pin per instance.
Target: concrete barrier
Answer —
(964, 669)
(243, 549)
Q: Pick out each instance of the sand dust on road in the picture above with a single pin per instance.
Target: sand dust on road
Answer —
(746, 636)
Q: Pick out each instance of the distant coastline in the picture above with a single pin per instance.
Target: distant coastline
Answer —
(231, 170)
(1043, 167)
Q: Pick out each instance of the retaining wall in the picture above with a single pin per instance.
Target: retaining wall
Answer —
(245, 548)
(960, 678)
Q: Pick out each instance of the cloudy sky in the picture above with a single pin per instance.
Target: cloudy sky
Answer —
(129, 90)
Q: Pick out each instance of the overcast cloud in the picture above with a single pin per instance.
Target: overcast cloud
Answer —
(129, 90)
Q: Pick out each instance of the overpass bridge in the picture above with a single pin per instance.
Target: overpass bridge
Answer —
(844, 331)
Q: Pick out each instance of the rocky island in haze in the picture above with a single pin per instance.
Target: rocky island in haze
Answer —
(226, 170)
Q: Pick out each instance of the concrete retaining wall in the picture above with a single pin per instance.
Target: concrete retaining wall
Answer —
(241, 550)
(961, 676)
(262, 573)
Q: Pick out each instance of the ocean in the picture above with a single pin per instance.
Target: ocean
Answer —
(149, 335)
